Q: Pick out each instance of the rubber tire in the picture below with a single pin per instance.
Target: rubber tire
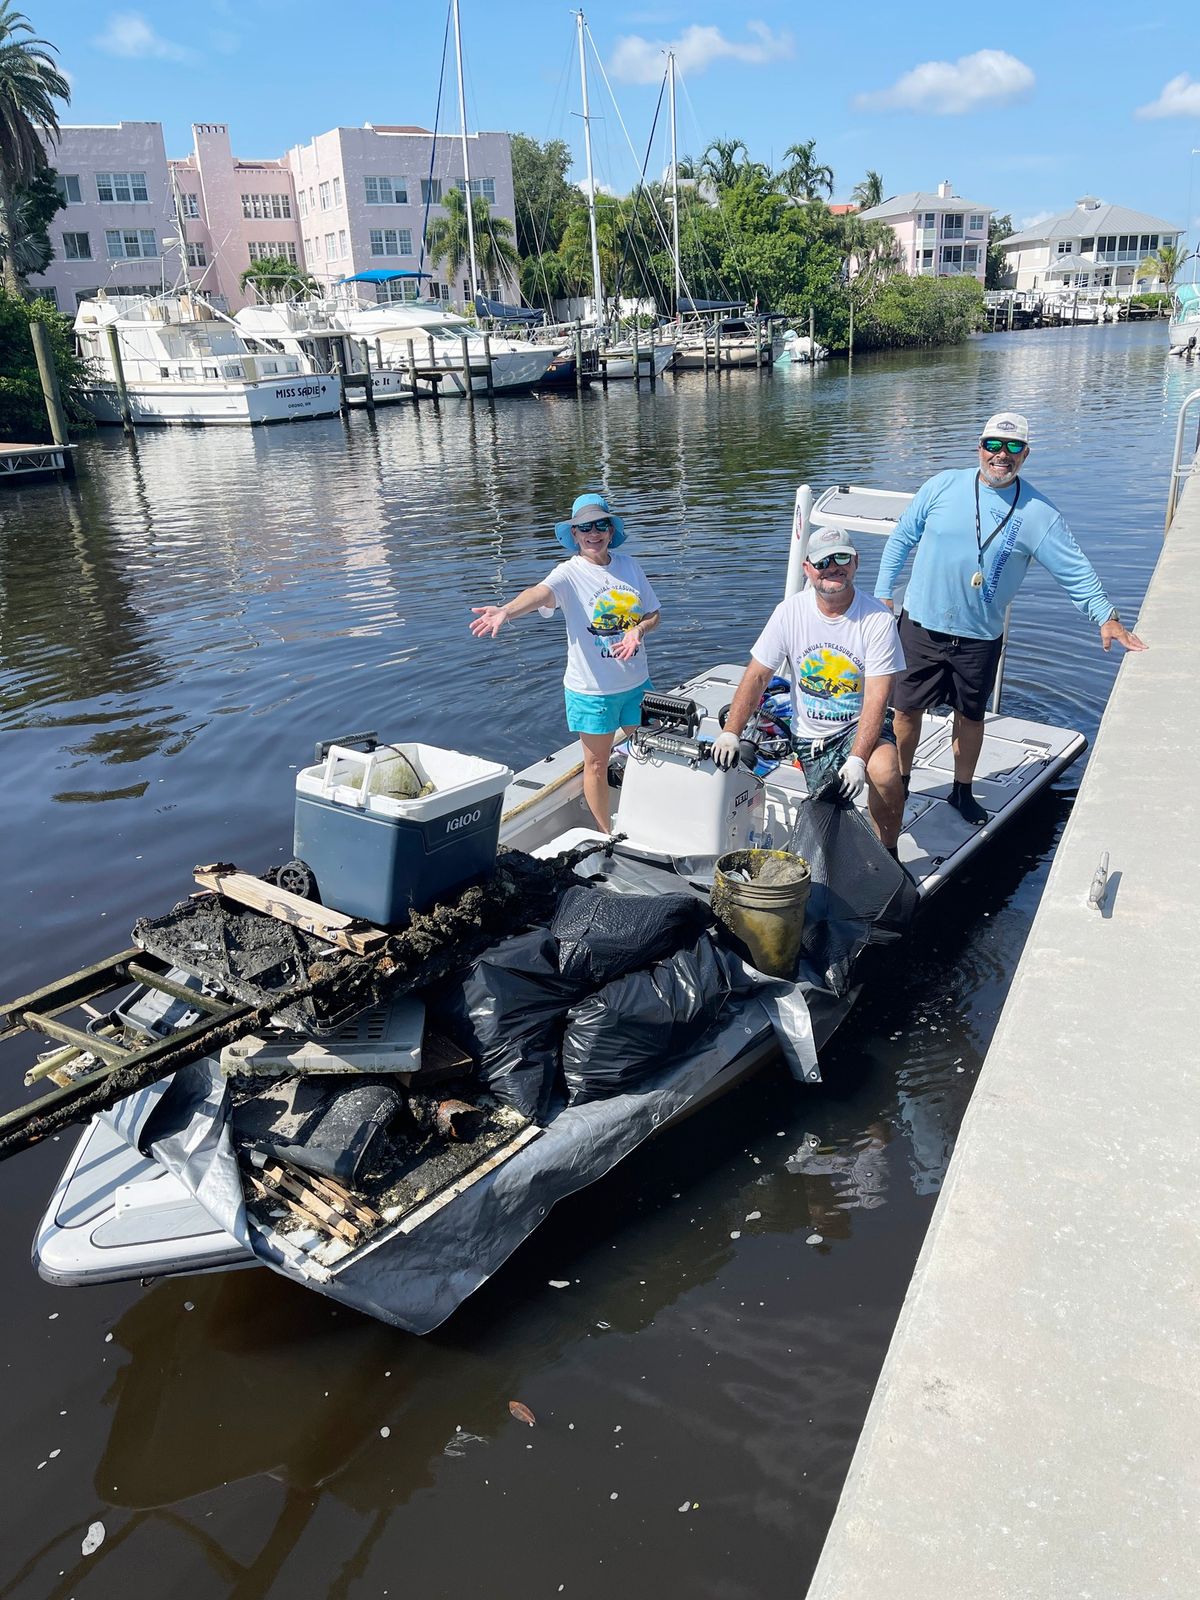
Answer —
(297, 878)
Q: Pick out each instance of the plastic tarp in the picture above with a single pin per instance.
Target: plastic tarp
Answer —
(416, 1280)
(529, 316)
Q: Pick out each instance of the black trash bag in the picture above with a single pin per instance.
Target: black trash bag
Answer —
(508, 1014)
(624, 1034)
(330, 1129)
(602, 936)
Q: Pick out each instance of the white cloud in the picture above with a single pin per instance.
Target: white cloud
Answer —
(949, 88)
(1037, 219)
(600, 188)
(1179, 98)
(638, 60)
(127, 33)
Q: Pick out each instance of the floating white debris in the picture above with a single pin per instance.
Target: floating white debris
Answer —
(686, 1506)
(613, 1495)
(93, 1539)
(753, 1216)
(108, 1338)
(814, 1238)
(736, 1234)
(53, 1317)
(188, 1306)
(54, 1453)
(385, 1433)
(605, 1325)
(560, 1283)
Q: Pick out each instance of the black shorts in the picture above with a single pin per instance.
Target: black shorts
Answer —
(945, 671)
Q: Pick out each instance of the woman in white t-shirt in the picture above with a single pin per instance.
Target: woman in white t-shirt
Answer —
(609, 606)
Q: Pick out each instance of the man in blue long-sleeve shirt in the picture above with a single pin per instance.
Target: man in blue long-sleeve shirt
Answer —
(975, 531)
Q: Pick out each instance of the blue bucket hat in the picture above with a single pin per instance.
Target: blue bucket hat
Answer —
(562, 530)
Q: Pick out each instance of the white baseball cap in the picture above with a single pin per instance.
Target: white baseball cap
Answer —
(1006, 425)
(824, 542)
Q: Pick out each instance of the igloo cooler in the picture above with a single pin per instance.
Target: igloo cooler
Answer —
(379, 857)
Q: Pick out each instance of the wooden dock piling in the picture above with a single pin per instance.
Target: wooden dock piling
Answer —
(118, 366)
(51, 393)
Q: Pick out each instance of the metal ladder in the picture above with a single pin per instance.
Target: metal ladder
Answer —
(1178, 471)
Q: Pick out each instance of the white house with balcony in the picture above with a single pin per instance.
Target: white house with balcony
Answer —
(1092, 246)
(940, 235)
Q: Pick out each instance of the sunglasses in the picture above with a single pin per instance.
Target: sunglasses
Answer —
(995, 446)
(841, 559)
(601, 525)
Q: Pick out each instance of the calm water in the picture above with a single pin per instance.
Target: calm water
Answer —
(174, 635)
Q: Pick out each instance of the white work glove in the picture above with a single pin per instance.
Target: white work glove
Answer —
(852, 774)
(726, 749)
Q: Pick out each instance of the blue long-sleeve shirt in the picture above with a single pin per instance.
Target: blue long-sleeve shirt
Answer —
(939, 524)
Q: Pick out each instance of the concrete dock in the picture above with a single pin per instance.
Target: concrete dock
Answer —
(1036, 1428)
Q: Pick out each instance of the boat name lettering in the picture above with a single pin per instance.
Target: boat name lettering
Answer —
(463, 820)
(299, 391)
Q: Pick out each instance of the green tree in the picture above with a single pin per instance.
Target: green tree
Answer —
(22, 409)
(25, 234)
(30, 84)
(999, 229)
(805, 178)
(576, 251)
(544, 199)
(276, 278)
(447, 239)
(1164, 265)
(869, 192)
(722, 164)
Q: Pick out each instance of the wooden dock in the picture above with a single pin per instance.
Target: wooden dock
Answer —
(21, 460)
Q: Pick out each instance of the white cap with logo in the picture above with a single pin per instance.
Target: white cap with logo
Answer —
(1006, 425)
(824, 542)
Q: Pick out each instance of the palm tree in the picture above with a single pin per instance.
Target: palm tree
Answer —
(1164, 266)
(720, 163)
(276, 278)
(30, 83)
(805, 178)
(869, 192)
(447, 240)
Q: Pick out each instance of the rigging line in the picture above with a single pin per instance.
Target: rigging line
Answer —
(680, 81)
(624, 129)
(437, 115)
(630, 246)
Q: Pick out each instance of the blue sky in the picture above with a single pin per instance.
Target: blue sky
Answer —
(1023, 110)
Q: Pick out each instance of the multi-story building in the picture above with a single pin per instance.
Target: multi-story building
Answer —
(364, 195)
(1092, 246)
(352, 199)
(940, 235)
(119, 210)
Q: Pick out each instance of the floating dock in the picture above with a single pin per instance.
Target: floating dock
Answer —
(1036, 1425)
(22, 460)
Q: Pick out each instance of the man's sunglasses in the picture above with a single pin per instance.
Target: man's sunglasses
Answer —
(841, 559)
(995, 446)
(601, 525)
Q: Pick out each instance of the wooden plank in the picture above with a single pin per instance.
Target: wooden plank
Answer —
(289, 1182)
(414, 1219)
(349, 933)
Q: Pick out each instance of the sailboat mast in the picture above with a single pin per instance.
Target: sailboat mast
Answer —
(462, 112)
(674, 181)
(597, 285)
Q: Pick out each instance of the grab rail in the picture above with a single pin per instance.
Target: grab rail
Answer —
(1178, 471)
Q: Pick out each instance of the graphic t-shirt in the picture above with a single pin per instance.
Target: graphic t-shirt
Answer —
(831, 657)
(599, 604)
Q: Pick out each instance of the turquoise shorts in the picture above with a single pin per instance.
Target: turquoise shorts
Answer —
(605, 713)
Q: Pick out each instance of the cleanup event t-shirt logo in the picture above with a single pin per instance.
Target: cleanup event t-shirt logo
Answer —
(614, 610)
(830, 684)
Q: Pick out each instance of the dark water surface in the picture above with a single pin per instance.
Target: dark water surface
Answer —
(174, 635)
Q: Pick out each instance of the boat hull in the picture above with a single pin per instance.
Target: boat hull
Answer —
(302, 398)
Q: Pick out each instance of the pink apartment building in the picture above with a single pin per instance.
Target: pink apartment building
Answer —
(353, 198)
(363, 194)
(940, 235)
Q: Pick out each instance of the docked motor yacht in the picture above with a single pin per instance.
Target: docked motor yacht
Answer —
(1185, 320)
(183, 362)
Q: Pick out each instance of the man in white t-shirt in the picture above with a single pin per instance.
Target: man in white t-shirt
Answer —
(844, 652)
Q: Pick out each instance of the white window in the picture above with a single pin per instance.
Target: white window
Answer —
(337, 191)
(391, 242)
(48, 292)
(484, 187)
(952, 226)
(343, 243)
(1066, 246)
(127, 244)
(385, 191)
(68, 187)
(303, 204)
(196, 256)
(308, 250)
(330, 247)
(977, 221)
(123, 186)
(952, 255)
(970, 255)
(191, 205)
(431, 191)
(261, 249)
(77, 246)
(928, 219)
(324, 193)
(317, 246)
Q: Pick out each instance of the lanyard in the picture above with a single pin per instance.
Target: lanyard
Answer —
(1000, 526)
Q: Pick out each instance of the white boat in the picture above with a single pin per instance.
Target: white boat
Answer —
(1184, 331)
(319, 331)
(800, 347)
(126, 1209)
(185, 363)
(653, 358)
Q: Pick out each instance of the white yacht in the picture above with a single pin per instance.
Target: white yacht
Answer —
(1185, 320)
(185, 363)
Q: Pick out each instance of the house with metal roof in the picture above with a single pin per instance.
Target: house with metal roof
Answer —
(940, 235)
(1092, 246)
